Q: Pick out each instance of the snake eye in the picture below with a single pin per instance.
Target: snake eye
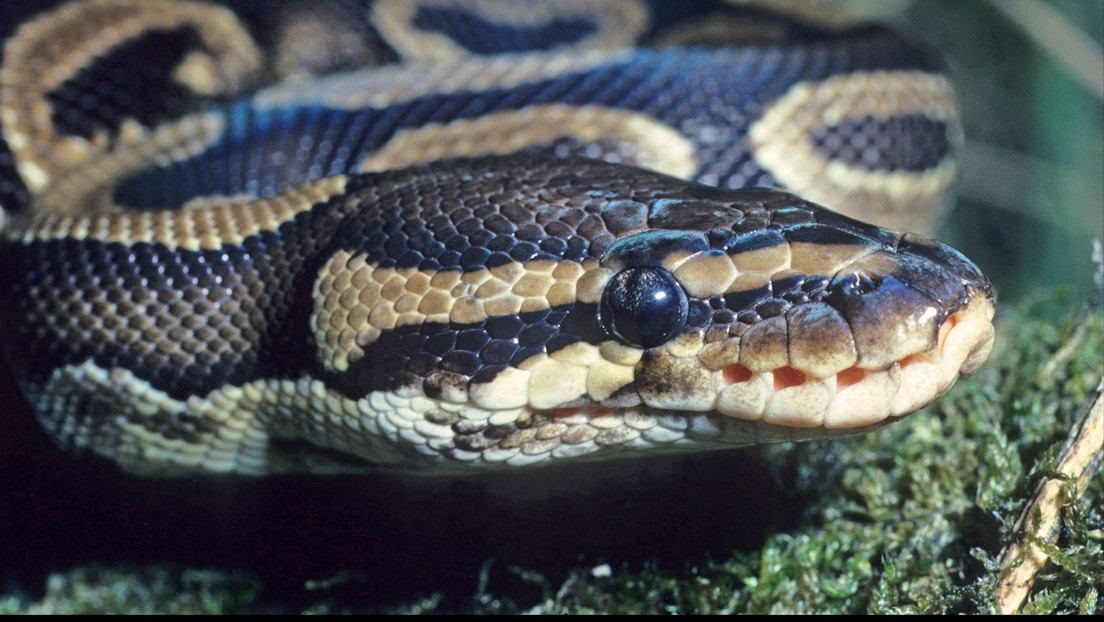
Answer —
(643, 306)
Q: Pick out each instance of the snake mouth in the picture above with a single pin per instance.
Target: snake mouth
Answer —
(857, 397)
(786, 400)
(780, 405)
(775, 406)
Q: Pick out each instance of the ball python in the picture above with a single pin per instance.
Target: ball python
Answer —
(446, 236)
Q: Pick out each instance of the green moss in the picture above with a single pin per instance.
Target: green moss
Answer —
(909, 519)
(92, 590)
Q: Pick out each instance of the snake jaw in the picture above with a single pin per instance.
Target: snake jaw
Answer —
(852, 398)
(890, 332)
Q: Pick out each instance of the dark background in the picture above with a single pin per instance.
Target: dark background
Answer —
(399, 536)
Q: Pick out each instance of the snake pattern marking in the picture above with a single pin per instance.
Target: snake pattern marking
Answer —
(445, 236)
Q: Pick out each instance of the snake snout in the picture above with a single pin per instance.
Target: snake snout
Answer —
(884, 335)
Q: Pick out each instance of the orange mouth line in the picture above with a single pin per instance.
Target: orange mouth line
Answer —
(787, 377)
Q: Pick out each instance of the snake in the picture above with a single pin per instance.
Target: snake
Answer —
(450, 237)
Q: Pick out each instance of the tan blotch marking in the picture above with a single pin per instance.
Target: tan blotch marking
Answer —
(88, 189)
(386, 86)
(824, 259)
(706, 274)
(879, 263)
(827, 15)
(621, 354)
(617, 23)
(656, 145)
(549, 381)
(719, 30)
(315, 38)
(688, 343)
(508, 389)
(604, 377)
(35, 64)
(207, 225)
(766, 260)
(200, 72)
(553, 383)
(900, 200)
(712, 273)
(592, 283)
(748, 282)
(355, 301)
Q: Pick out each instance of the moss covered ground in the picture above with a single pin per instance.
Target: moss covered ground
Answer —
(909, 519)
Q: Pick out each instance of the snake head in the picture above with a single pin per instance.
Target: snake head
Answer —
(785, 313)
(811, 323)
(597, 317)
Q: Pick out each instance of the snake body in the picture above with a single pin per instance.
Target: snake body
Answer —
(454, 236)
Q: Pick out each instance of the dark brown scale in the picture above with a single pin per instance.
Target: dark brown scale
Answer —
(772, 307)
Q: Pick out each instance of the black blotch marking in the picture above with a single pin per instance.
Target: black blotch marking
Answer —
(132, 81)
(438, 355)
(739, 301)
(482, 36)
(756, 240)
(625, 216)
(13, 192)
(816, 233)
(914, 143)
(650, 248)
(786, 283)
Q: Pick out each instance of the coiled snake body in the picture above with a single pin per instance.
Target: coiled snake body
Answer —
(444, 262)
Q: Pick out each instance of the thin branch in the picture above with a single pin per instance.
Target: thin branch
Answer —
(1079, 461)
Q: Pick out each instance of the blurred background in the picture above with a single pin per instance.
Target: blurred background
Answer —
(1029, 75)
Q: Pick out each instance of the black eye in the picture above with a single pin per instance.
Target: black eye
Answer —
(643, 306)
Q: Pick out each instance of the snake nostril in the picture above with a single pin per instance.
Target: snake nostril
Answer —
(854, 282)
(845, 288)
